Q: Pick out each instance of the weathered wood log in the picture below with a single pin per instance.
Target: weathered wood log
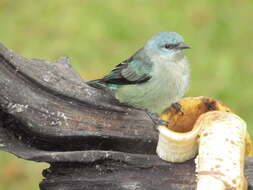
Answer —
(48, 114)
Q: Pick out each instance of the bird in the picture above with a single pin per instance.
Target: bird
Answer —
(153, 78)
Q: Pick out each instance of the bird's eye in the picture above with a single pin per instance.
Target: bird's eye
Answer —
(169, 46)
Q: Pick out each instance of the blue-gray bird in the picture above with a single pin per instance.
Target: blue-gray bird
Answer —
(156, 76)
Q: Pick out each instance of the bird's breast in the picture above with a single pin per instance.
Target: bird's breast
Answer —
(169, 82)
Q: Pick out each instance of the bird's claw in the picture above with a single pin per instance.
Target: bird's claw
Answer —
(160, 122)
(156, 119)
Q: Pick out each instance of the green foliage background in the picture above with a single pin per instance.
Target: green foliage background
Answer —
(98, 34)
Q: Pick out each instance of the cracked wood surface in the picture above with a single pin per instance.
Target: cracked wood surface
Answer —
(55, 105)
(48, 114)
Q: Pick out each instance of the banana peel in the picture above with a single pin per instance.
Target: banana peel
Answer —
(221, 151)
(183, 120)
(190, 123)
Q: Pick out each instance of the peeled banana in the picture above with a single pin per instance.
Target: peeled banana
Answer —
(209, 127)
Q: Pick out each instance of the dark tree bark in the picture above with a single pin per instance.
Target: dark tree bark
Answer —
(48, 114)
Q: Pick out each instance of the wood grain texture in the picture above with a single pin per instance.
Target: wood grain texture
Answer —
(49, 114)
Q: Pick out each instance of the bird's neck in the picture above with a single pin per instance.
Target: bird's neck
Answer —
(170, 67)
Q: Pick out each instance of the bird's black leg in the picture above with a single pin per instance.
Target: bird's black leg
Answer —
(155, 118)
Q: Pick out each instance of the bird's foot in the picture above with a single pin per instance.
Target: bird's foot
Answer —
(158, 122)
(156, 119)
(178, 107)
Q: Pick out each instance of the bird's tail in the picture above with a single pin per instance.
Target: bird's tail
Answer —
(100, 84)
(96, 83)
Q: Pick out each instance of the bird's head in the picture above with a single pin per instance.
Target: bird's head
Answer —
(168, 44)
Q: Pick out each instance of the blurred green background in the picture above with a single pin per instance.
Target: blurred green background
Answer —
(98, 34)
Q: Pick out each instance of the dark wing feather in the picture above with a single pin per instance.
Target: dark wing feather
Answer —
(135, 70)
(129, 72)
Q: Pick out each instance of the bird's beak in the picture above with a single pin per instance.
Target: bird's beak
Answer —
(182, 45)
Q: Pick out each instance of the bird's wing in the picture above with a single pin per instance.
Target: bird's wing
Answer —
(129, 72)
